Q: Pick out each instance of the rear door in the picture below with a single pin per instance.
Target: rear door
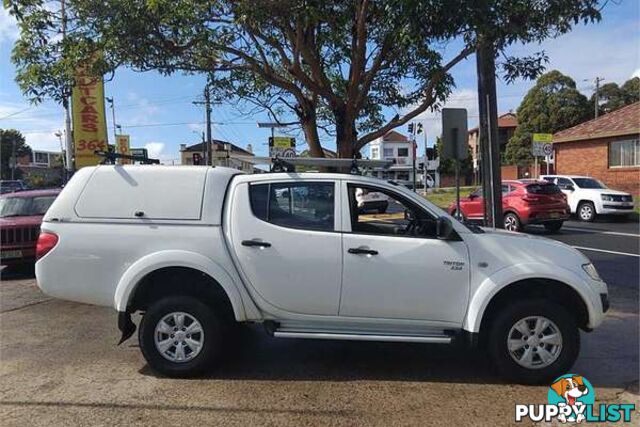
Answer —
(283, 234)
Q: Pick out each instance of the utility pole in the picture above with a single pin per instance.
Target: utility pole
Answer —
(207, 107)
(67, 116)
(488, 132)
(113, 116)
(597, 96)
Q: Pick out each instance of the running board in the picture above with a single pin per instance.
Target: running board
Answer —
(436, 339)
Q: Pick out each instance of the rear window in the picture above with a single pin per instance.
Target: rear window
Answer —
(543, 189)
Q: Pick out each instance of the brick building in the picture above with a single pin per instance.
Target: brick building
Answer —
(507, 124)
(605, 148)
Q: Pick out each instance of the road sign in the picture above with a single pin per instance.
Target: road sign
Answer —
(282, 146)
(541, 145)
(122, 147)
(454, 133)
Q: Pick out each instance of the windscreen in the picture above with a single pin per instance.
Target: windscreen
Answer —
(588, 183)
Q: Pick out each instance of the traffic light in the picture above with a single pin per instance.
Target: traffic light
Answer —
(197, 158)
(410, 128)
(419, 128)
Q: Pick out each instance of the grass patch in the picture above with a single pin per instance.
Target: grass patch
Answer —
(443, 197)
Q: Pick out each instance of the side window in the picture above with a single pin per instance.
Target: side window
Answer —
(505, 188)
(380, 212)
(477, 192)
(563, 182)
(306, 205)
(548, 178)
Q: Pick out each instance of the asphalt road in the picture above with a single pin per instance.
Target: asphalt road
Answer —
(60, 365)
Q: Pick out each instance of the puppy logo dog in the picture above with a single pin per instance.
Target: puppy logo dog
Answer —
(571, 389)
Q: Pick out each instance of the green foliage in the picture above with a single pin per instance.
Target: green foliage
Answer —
(447, 166)
(551, 105)
(612, 96)
(8, 139)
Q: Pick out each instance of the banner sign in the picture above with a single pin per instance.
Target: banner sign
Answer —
(122, 147)
(89, 121)
(541, 145)
(282, 146)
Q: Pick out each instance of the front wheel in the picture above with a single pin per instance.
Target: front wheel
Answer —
(180, 336)
(512, 222)
(533, 342)
(586, 211)
(554, 226)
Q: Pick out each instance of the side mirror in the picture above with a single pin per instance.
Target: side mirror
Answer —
(472, 196)
(444, 228)
(408, 215)
(570, 187)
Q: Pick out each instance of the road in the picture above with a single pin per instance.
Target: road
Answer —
(60, 365)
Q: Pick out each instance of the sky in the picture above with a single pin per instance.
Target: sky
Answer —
(159, 114)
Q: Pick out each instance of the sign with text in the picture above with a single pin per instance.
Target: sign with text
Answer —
(122, 147)
(541, 145)
(282, 146)
(89, 122)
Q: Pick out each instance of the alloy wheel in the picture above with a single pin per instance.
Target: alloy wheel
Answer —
(534, 342)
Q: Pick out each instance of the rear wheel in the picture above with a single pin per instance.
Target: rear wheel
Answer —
(512, 222)
(180, 336)
(533, 342)
(554, 226)
(586, 211)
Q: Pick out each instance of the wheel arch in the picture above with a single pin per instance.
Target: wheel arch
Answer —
(490, 296)
(146, 271)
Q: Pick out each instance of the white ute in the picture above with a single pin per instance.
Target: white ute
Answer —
(196, 249)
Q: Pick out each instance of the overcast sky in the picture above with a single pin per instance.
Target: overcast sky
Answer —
(158, 112)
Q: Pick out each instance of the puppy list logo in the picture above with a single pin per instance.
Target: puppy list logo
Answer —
(572, 399)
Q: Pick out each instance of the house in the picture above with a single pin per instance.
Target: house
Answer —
(395, 147)
(42, 168)
(220, 156)
(605, 148)
(507, 124)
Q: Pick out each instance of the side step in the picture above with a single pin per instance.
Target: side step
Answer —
(434, 339)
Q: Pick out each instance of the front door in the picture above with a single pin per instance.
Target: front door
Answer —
(285, 241)
(396, 268)
(474, 205)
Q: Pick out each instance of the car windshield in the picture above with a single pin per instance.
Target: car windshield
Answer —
(25, 206)
(588, 183)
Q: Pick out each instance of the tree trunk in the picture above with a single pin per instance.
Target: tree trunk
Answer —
(310, 129)
(489, 145)
(346, 136)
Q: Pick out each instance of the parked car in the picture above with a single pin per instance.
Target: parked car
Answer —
(371, 201)
(198, 249)
(20, 218)
(589, 197)
(524, 202)
(12, 185)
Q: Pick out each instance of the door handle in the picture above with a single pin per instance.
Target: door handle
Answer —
(256, 243)
(362, 251)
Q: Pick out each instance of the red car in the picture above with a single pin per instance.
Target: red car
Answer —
(20, 218)
(524, 202)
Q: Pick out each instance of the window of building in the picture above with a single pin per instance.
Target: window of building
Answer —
(624, 153)
(307, 205)
(375, 153)
(387, 152)
(381, 212)
(40, 158)
(403, 152)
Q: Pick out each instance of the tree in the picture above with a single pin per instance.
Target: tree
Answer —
(334, 64)
(551, 105)
(611, 96)
(447, 166)
(11, 141)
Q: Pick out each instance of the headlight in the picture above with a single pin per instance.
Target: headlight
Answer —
(591, 271)
(606, 198)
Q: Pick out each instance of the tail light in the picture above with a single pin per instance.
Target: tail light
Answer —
(46, 242)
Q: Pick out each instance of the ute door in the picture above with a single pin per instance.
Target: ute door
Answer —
(284, 238)
(396, 268)
(474, 205)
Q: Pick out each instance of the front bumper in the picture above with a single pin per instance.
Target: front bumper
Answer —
(613, 208)
(15, 255)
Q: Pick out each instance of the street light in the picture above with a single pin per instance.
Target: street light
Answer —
(273, 125)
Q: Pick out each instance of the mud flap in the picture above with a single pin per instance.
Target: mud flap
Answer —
(126, 326)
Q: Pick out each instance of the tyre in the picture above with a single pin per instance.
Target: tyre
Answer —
(512, 222)
(553, 226)
(180, 336)
(586, 211)
(533, 342)
(454, 214)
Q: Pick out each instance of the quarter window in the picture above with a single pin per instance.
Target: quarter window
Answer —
(624, 153)
(308, 205)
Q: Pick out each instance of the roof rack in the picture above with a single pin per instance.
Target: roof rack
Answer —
(110, 157)
(288, 164)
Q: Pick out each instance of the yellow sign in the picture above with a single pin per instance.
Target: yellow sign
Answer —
(89, 122)
(542, 137)
(283, 142)
(122, 147)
